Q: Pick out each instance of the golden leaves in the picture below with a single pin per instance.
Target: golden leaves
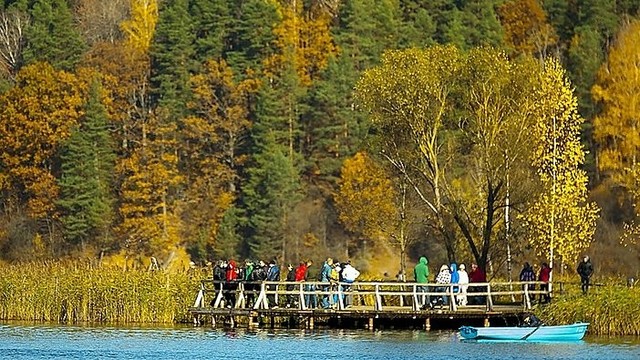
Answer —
(304, 43)
(617, 127)
(139, 29)
(36, 116)
(525, 25)
(365, 200)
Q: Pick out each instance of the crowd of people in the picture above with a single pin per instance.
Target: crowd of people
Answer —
(449, 274)
(333, 275)
(336, 278)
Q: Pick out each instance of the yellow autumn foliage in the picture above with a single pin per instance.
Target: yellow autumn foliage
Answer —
(36, 116)
(617, 127)
(140, 27)
(303, 42)
(365, 199)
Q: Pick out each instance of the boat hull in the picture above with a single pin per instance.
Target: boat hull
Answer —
(573, 332)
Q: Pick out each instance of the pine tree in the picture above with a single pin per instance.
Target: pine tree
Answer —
(172, 57)
(251, 35)
(332, 129)
(269, 196)
(86, 184)
(228, 237)
(52, 36)
(481, 24)
(211, 23)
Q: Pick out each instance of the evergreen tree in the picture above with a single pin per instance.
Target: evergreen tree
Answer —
(481, 23)
(332, 129)
(228, 237)
(366, 29)
(211, 22)
(271, 192)
(86, 184)
(52, 36)
(172, 55)
(251, 34)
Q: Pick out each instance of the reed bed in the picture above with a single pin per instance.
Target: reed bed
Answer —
(610, 309)
(57, 292)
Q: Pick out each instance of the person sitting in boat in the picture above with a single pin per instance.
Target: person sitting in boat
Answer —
(531, 320)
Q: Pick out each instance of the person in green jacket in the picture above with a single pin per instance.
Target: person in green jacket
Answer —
(421, 273)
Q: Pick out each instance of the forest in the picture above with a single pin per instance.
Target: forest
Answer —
(492, 131)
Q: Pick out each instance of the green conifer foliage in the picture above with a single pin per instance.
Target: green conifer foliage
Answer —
(52, 36)
(270, 195)
(172, 54)
(251, 34)
(88, 162)
(211, 25)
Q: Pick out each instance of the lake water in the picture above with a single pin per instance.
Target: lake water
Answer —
(20, 341)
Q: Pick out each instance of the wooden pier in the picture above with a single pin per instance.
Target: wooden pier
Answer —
(360, 305)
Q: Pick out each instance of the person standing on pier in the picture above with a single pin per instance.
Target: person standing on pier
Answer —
(527, 274)
(291, 277)
(463, 279)
(273, 274)
(421, 273)
(231, 284)
(545, 276)
(585, 270)
(349, 275)
(325, 277)
(477, 276)
(444, 279)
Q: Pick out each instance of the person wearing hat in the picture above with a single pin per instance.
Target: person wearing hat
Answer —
(463, 280)
(444, 278)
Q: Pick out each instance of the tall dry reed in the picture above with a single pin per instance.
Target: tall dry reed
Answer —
(84, 293)
(610, 309)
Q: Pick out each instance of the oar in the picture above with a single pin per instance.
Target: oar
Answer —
(531, 333)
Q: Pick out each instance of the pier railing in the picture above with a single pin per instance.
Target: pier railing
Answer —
(377, 295)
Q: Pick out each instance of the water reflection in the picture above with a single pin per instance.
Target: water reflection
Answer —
(29, 341)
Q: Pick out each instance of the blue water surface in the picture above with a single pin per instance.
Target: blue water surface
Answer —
(19, 341)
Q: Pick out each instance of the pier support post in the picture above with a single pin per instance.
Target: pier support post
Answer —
(427, 324)
(310, 322)
(213, 321)
(370, 327)
(251, 323)
(486, 322)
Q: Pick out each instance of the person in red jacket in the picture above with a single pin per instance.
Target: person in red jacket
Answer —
(302, 270)
(231, 284)
(545, 275)
(477, 276)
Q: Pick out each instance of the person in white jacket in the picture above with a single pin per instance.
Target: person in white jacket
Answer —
(463, 281)
(349, 275)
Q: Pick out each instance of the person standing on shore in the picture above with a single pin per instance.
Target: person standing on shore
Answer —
(585, 270)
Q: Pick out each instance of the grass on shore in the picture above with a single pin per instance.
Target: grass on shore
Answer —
(610, 310)
(60, 292)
